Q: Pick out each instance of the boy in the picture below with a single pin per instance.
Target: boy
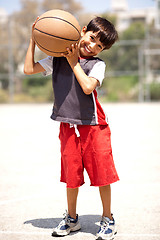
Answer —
(84, 131)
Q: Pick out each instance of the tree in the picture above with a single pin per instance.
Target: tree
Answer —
(125, 57)
(110, 17)
(68, 5)
(3, 54)
(154, 43)
(19, 29)
(23, 20)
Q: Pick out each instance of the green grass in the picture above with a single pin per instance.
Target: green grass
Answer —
(120, 89)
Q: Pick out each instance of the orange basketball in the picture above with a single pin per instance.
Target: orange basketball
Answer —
(55, 31)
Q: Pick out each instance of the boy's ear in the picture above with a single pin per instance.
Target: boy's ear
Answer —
(83, 31)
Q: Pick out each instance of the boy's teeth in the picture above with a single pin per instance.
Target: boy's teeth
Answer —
(87, 49)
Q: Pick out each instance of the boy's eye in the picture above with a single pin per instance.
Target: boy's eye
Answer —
(92, 37)
(100, 46)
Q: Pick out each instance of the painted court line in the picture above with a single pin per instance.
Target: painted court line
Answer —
(18, 199)
(25, 198)
(80, 233)
(23, 233)
(139, 235)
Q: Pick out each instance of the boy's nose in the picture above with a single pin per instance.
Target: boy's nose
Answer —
(92, 45)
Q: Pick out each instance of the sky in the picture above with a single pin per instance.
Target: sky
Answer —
(97, 6)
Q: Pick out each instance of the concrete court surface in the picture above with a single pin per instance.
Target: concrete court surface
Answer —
(32, 200)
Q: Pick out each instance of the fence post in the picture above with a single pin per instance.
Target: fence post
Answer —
(140, 74)
(10, 61)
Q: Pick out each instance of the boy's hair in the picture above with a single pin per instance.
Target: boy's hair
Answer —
(105, 29)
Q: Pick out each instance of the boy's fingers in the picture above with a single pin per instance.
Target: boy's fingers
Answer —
(70, 51)
(74, 46)
(35, 21)
(66, 53)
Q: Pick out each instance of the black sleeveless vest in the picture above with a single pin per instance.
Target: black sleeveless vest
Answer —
(71, 104)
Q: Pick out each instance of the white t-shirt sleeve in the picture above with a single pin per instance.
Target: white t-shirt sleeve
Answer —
(98, 71)
(47, 64)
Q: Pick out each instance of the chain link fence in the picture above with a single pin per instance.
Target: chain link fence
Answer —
(12, 55)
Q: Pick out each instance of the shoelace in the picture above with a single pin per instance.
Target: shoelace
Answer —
(104, 225)
(61, 223)
(65, 220)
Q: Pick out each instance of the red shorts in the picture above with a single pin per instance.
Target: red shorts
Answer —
(91, 150)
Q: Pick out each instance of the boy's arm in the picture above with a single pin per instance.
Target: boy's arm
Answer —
(88, 84)
(30, 67)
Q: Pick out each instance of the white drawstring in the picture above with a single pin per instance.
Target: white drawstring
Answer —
(76, 129)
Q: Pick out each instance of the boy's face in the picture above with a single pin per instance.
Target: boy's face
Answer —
(89, 44)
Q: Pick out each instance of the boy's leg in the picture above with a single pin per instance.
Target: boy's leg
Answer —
(107, 228)
(105, 193)
(70, 222)
(72, 194)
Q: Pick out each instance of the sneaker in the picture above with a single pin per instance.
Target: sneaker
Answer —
(107, 229)
(66, 226)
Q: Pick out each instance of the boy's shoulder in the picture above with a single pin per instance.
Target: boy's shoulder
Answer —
(88, 64)
(93, 59)
(97, 58)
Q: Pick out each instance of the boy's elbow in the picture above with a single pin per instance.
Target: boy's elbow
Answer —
(90, 86)
(27, 71)
(88, 90)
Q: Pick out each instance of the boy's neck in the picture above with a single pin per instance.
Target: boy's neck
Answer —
(85, 57)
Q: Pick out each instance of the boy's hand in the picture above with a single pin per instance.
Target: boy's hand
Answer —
(33, 26)
(72, 55)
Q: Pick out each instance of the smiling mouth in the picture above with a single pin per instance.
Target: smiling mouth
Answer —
(87, 50)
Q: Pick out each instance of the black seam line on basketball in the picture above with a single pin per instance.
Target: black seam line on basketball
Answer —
(56, 36)
(47, 49)
(62, 20)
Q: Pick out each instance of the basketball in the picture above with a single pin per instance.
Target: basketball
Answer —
(55, 31)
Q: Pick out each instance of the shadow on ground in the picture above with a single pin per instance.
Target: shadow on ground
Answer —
(88, 223)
